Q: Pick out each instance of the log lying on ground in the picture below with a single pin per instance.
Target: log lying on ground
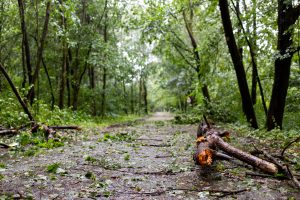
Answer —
(211, 141)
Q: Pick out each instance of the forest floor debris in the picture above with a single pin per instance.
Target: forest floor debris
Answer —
(147, 159)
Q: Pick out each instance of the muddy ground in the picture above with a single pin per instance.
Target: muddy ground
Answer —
(150, 159)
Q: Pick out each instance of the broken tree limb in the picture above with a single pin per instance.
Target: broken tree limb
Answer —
(261, 164)
(8, 132)
(211, 141)
(24, 106)
(65, 127)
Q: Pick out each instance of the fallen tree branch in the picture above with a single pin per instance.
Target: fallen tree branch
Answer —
(9, 132)
(65, 127)
(24, 106)
(282, 168)
(161, 192)
(5, 146)
(288, 145)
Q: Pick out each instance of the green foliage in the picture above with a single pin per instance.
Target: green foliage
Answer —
(53, 167)
(119, 137)
(90, 175)
(90, 159)
(127, 157)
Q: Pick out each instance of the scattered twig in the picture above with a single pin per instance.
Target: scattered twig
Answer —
(65, 127)
(160, 192)
(150, 139)
(288, 145)
(156, 145)
(283, 168)
(5, 146)
(297, 183)
(8, 132)
(206, 121)
(259, 175)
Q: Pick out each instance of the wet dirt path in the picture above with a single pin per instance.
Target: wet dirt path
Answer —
(151, 159)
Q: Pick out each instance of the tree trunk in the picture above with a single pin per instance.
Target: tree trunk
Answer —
(144, 96)
(92, 87)
(40, 51)
(23, 65)
(26, 46)
(132, 98)
(103, 95)
(69, 60)
(24, 106)
(188, 25)
(238, 64)
(63, 72)
(254, 70)
(287, 16)
(253, 54)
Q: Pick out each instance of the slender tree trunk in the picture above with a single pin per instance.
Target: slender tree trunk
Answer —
(50, 84)
(188, 25)
(144, 96)
(254, 69)
(238, 64)
(24, 106)
(40, 51)
(103, 95)
(69, 60)
(104, 76)
(253, 54)
(287, 16)
(63, 72)
(125, 97)
(26, 44)
(132, 98)
(24, 66)
(92, 87)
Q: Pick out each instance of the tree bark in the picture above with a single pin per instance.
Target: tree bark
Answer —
(238, 64)
(63, 72)
(24, 106)
(287, 16)
(26, 44)
(253, 54)
(40, 52)
(50, 84)
(209, 141)
(188, 25)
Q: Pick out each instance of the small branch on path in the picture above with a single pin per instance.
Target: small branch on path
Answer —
(65, 127)
(150, 139)
(160, 192)
(156, 145)
(9, 132)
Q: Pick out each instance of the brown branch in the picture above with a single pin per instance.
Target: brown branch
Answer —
(282, 168)
(160, 192)
(65, 127)
(24, 106)
(288, 145)
(297, 183)
(8, 132)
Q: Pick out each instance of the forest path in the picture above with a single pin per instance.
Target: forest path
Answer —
(145, 160)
